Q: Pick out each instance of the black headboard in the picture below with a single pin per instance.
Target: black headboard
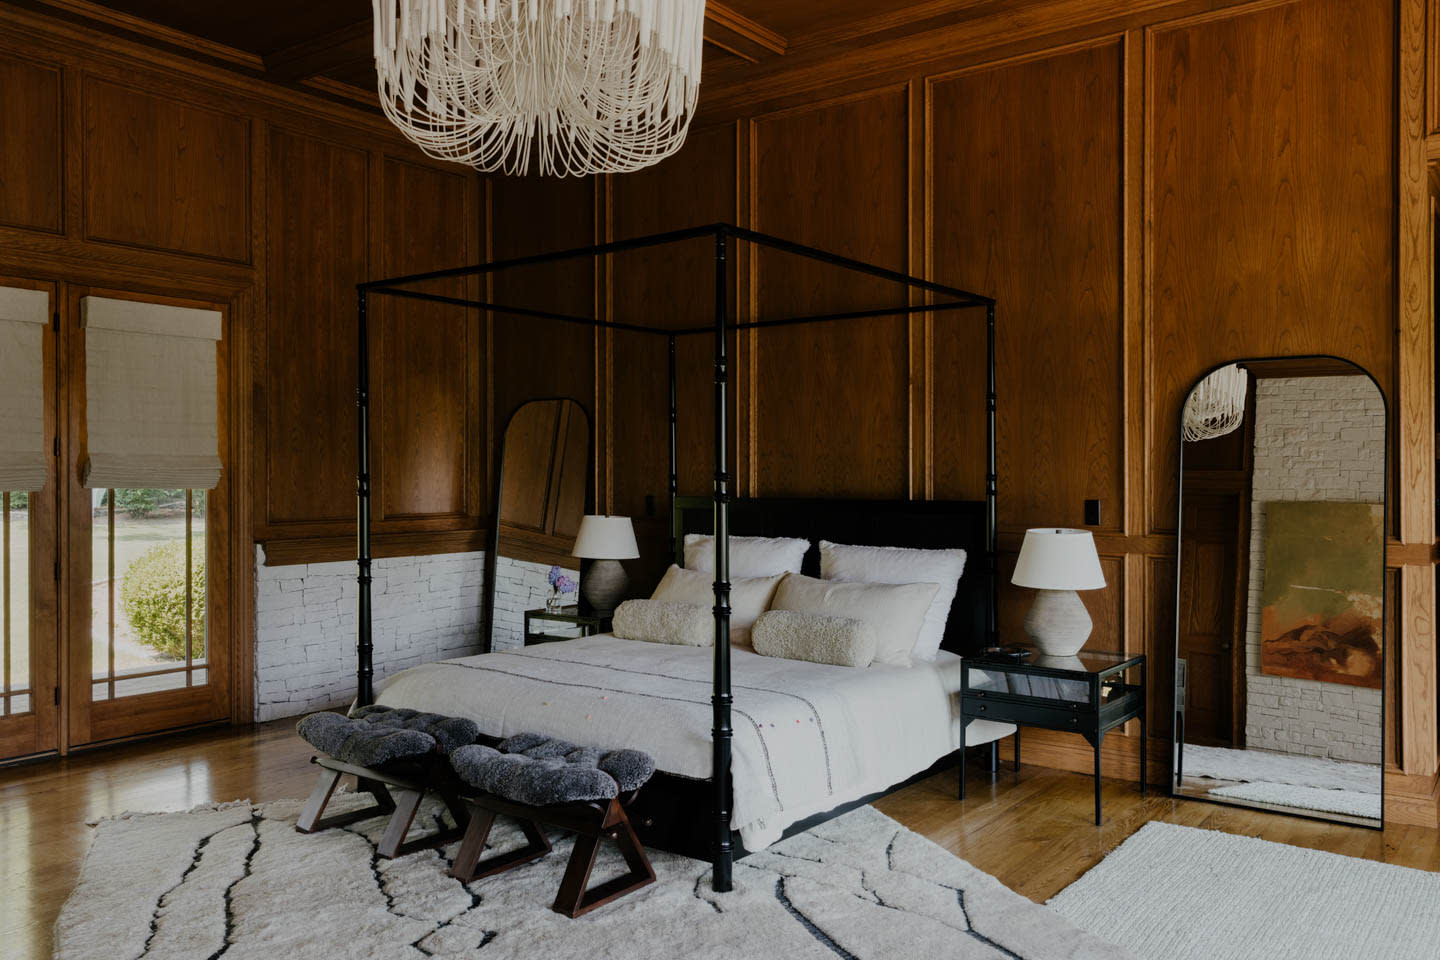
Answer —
(927, 524)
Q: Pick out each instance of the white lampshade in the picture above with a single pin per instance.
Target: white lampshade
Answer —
(606, 538)
(1057, 559)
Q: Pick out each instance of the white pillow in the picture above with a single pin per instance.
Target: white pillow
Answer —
(749, 556)
(860, 564)
(840, 641)
(749, 596)
(654, 621)
(895, 611)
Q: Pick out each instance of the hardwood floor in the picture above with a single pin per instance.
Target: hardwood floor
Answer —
(1030, 829)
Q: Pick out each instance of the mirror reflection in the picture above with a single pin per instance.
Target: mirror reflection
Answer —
(1280, 604)
(542, 492)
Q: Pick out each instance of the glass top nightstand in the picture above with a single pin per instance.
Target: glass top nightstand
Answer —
(1090, 694)
(567, 623)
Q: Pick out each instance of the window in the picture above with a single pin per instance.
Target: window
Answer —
(15, 589)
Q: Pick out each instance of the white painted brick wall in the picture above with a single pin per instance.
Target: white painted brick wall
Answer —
(519, 586)
(1316, 438)
(424, 609)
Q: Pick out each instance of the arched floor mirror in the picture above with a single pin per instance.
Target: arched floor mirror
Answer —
(1280, 601)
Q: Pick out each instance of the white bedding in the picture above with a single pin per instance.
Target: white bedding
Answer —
(808, 736)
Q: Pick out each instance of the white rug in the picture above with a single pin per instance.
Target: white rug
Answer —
(238, 882)
(1179, 893)
(1308, 783)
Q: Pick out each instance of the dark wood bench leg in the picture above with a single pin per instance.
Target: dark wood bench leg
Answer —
(310, 819)
(574, 900)
(468, 865)
(407, 802)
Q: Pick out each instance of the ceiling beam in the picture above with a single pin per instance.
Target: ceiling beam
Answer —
(724, 28)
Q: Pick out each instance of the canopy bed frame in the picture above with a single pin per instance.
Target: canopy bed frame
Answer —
(940, 299)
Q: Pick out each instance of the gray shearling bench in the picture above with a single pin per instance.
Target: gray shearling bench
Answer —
(386, 749)
(538, 780)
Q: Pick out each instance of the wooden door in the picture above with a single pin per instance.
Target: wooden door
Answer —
(29, 631)
(1211, 639)
(148, 579)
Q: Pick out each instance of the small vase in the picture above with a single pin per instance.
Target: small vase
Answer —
(554, 603)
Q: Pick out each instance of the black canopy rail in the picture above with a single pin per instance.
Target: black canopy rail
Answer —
(722, 234)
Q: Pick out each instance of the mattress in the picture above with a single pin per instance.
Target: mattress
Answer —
(808, 737)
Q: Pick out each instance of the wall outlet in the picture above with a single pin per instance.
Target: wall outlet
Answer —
(1092, 513)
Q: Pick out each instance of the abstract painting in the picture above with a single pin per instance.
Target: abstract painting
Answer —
(1323, 599)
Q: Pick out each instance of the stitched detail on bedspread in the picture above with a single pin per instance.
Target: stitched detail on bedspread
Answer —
(819, 724)
(764, 747)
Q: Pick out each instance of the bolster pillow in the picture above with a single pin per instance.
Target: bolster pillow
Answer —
(661, 621)
(792, 635)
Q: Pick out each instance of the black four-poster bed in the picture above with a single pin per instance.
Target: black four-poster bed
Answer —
(940, 299)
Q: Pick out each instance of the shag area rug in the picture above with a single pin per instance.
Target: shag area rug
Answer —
(237, 881)
(1181, 893)
(1307, 783)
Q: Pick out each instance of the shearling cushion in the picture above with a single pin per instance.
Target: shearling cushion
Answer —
(842, 641)
(537, 783)
(865, 564)
(360, 741)
(895, 611)
(659, 621)
(749, 556)
(630, 768)
(749, 596)
(449, 732)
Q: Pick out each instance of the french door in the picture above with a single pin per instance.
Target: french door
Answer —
(115, 600)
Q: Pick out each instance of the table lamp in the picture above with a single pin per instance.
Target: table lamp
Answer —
(1057, 562)
(605, 541)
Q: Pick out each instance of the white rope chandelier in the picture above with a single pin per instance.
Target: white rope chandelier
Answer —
(591, 86)
(1217, 404)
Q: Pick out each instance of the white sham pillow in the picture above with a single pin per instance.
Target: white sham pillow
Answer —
(896, 611)
(863, 564)
(749, 596)
(749, 556)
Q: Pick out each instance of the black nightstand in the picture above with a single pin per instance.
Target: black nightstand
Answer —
(1089, 694)
(587, 625)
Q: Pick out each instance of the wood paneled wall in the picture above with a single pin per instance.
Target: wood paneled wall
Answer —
(128, 168)
(1146, 197)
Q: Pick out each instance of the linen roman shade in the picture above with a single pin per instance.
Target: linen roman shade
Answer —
(23, 452)
(150, 385)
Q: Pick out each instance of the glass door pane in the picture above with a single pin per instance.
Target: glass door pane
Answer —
(148, 592)
(16, 694)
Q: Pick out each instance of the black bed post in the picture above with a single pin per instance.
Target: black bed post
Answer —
(674, 477)
(992, 627)
(721, 734)
(364, 690)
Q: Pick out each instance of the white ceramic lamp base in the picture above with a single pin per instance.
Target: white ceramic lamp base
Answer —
(604, 585)
(1058, 622)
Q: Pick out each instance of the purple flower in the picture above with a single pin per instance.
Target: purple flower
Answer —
(564, 584)
(555, 574)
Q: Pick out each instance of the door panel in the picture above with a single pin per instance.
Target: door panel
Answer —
(1207, 621)
(142, 593)
(29, 680)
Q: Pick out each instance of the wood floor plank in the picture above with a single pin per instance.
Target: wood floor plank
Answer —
(1032, 829)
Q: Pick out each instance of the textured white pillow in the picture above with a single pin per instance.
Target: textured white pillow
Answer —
(841, 641)
(656, 621)
(749, 556)
(896, 611)
(749, 596)
(860, 564)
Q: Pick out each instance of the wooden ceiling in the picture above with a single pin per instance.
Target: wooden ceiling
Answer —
(325, 44)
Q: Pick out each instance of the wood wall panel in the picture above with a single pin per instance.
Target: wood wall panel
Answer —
(315, 254)
(831, 409)
(1271, 197)
(534, 357)
(672, 287)
(30, 130)
(164, 174)
(1044, 237)
(428, 398)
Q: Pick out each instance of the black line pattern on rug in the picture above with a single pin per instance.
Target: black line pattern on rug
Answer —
(255, 820)
(764, 747)
(820, 936)
(1006, 951)
(819, 723)
(195, 858)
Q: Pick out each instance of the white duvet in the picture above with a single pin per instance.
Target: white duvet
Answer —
(808, 737)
